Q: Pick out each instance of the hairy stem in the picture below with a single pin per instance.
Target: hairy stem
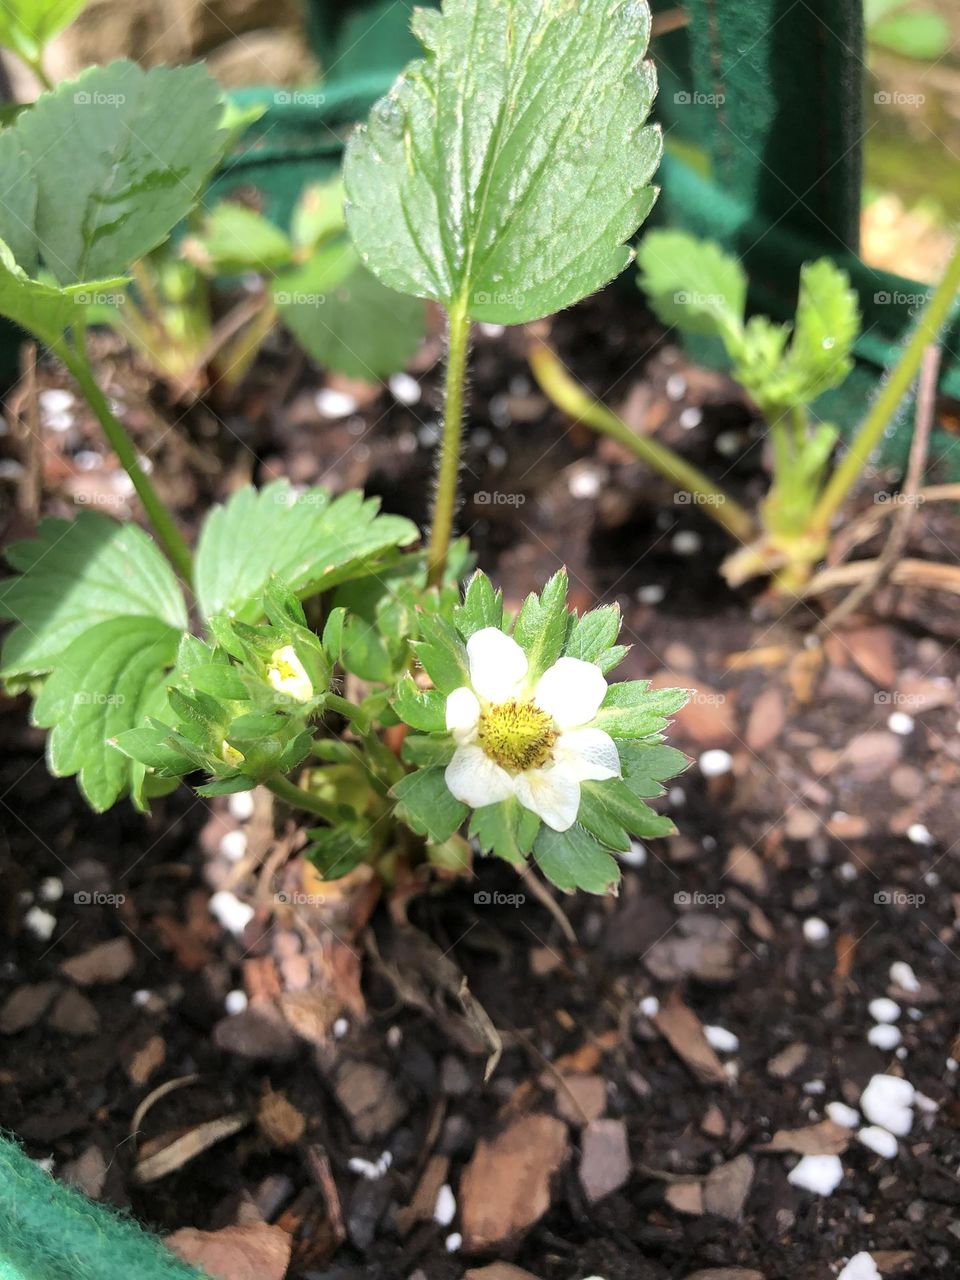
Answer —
(298, 798)
(577, 403)
(901, 378)
(160, 518)
(445, 501)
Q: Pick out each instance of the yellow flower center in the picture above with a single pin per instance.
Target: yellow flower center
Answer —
(517, 735)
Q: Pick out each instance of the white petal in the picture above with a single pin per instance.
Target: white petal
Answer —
(553, 795)
(571, 691)
(497, 664)
(588, 754)
(476, 779)
(463, 713)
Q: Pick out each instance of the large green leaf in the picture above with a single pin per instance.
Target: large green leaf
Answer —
(508, 167)
(75, 574)
(310, 541)
(573, 859)
(120, 155)
(351, 323)
(26, 26)
(105, 682)
(18, 201)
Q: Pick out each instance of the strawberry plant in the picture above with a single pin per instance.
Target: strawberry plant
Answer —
(471, 186)
(696, 287)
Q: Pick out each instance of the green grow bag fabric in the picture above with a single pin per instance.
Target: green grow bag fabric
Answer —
(48, 1231)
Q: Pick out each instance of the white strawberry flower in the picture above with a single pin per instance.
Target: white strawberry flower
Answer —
(529, 742)
(287, 674)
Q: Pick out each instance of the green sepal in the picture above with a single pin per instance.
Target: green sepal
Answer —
(506, 829)
(442, 654)
(423, 709)
(482, 607)
(634, 710)
(542, 626)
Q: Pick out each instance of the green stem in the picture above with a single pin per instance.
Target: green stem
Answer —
(163, 523)
(36, 66)
(799, 423)
(348, 709)
(445, 501)
(927, 331)
(577, 403)
(298, 798)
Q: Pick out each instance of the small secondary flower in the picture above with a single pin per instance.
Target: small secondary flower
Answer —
(287, 674)
(532, 743)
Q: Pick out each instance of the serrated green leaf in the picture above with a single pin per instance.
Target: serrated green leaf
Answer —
(219, 680)
(592, 638)
(826, 327)
(506, 829)
(75, 574)
(136, 148)
(27, 26)
(235, 239)
(542, 625)
(634, 710)
(573, 859)
(692, 283)
(101, 685)
(508, 167)
(618, 804)
(482, 607)
(423, 709)
(43, 309)
(758, 360)
(600, 820)
(310, 541)
(645, 765)
(425, 803)
(345, 319)
(151, 745)
(18, 201)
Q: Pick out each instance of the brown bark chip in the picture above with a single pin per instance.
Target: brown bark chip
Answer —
(506, 1186)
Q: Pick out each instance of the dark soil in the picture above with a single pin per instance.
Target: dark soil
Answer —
(830, 811)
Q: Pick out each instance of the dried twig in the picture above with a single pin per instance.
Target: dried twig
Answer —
(896, 542)
(544, 896)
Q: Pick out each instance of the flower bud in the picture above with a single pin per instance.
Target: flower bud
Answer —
(286, 674)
